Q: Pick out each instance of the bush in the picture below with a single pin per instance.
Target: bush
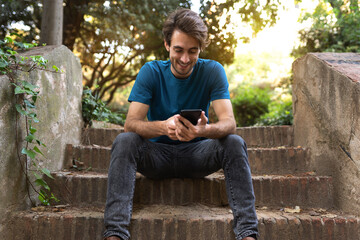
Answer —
(249, 103)
(280, 113)
(95, 109)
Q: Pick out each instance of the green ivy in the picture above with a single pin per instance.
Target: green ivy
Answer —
(26, 97)
(93, 108)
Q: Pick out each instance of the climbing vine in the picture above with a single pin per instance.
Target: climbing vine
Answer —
(26, 95)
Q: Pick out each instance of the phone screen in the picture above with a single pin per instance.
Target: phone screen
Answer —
(192, 115)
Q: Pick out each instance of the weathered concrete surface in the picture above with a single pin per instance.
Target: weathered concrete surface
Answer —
(59, 111)
(326, 99)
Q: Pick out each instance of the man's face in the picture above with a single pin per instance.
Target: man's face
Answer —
(184, 53)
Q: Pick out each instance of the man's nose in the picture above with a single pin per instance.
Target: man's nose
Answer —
(185, 58)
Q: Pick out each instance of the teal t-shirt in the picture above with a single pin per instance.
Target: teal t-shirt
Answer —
(166, 95)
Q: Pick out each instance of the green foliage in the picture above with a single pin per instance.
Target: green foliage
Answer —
(93, 108)
(114, 38)
(26, 97)
(20, 11)
(280, 113)
(249, 103)
(123, 36)
(262, 106)
(217, 16)
(336, 28)
(26, 107)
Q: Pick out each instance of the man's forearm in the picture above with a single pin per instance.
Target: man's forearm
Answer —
(145, 129)
(220, 129)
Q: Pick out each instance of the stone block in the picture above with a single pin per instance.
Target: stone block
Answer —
(326, 102)
(59, 111)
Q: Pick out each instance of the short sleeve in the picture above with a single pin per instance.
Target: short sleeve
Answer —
(219, 84)
(142, 90)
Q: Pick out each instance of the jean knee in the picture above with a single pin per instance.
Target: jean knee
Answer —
(234, 141)
(127, 141)
(234, 147)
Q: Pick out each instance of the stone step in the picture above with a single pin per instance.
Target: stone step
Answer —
(280, 160)
(89, 189)
(269, 136)
(194, 222)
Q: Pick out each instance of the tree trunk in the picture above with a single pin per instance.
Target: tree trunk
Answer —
(52, 22)
(73, 17)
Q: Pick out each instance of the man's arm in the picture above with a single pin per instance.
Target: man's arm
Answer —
(224, 126)
(226, 121)
(135, 122)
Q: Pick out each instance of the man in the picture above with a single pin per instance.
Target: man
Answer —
(154, 147)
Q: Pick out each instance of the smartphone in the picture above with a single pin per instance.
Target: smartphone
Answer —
(192, 115)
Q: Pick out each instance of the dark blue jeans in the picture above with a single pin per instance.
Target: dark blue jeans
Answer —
(131, 153)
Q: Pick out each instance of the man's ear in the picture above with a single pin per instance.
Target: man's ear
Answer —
(166, 46)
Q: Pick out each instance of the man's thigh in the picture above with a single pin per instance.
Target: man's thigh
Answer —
(197, 159)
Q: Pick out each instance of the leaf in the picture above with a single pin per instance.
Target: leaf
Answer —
(32, 130)
(29, 138)
(43, 197)
(42, 183)
(8, 40)
(33, 116)
(20, 109)
(3, 63)
(39, 60)
(36, 120)
(19, 44)
(55, 68)
(28, 85)
(19, 90)
(34, 98)
(54, 198)
(37, 176)
(29, 104)
(16, 34)
(47, 173)
(12, 52)
(40, 143)
(28, 45)
(29, 153)
(36, 149)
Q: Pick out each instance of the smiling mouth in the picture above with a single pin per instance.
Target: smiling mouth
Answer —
(184, 65)
(182, 71)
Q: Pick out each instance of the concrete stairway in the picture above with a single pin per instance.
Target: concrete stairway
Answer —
(192, 209)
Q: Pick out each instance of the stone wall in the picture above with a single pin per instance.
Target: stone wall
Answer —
(326, 99)
(59, 111)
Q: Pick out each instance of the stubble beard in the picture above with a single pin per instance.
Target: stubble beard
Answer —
(180, 73)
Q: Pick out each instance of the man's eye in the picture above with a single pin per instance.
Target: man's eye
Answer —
(178, 50)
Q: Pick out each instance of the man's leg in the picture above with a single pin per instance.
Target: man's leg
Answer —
(230, 153)
(121, 184)
(131, 153)
(239, 186)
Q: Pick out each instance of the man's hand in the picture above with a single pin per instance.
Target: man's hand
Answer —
(179, 128)
(185, 131)
(171, 128)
